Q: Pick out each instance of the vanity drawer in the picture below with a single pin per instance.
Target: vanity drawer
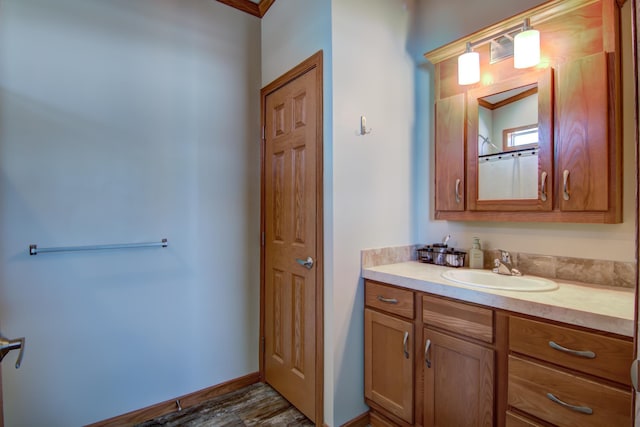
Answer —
(390, 299)
(464, 319)
(608, 358)
(517, 420)
(531, 383)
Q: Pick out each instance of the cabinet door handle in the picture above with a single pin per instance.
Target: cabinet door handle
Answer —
(565, 185)
(404, 345)
(458, 198)
(387, 300)
(581, 409)
(427, 346)
(543, 187)
(580, 353)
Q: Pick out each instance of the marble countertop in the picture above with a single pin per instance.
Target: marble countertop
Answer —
(606, 309)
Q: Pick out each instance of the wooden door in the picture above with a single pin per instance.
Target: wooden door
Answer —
(583, 163)
(458, 382)
(388, 363)
(450, 154)
(292, 226)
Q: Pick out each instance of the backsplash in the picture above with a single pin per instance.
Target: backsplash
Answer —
(592, 271)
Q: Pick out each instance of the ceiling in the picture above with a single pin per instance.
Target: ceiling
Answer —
(253, 7)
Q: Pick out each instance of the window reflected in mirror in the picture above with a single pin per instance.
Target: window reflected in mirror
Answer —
(508, 144)
(520, 137)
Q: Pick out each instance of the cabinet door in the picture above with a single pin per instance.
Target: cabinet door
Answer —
(388, 363)
(513, 178)
(450, 154)
(458, 382)
(582, 143)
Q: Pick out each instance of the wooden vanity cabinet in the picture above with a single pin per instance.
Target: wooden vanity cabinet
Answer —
(478, 366)
(566, 376)
(459, 364)
(389, 347)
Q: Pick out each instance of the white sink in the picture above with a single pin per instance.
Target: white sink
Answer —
(490, 280)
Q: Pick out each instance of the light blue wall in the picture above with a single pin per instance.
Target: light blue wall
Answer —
(127, 121)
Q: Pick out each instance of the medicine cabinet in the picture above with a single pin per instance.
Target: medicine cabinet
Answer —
(541, 144)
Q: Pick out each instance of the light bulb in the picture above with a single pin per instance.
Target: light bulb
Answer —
(526, 47)
(468, 67)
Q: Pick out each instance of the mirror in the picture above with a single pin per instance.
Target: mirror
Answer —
(509, 143)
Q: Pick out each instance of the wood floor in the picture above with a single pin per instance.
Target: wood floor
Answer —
(255, 405)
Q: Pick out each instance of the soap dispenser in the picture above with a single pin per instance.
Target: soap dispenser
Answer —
(476, 256)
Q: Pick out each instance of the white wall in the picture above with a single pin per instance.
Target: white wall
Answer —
(127, 121)
(372, 189)
(438, 22)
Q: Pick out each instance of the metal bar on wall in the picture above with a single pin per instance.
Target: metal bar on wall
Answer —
(35, 250)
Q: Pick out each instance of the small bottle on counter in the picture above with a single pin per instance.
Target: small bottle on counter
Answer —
(476, 256)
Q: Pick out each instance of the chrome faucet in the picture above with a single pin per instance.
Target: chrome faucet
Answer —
(503, 265)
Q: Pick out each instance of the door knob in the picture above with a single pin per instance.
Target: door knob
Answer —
(306, 263)
(6, 345)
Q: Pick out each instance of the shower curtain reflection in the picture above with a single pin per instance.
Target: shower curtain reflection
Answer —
(511, 175)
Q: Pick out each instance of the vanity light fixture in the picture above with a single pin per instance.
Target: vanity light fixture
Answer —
(468, 67)
(526, 47)
(526, 51)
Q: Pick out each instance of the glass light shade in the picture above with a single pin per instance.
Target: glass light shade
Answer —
(526, 49)
(468, 68)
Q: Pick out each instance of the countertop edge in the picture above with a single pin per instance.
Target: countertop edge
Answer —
(573, 316)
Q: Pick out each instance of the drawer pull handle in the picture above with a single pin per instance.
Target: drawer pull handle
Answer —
(387, 300)
(427, 346)
(457, 191)
(543, 187)
(566, 195)
(581, 409)
(585, 353)
(404, 345)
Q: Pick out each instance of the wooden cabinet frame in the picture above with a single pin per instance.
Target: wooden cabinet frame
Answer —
(571, 30)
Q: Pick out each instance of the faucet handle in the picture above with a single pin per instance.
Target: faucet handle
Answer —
(505, 256)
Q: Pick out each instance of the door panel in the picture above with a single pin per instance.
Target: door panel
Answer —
(450, 153)
(458, 382)
(290, 221)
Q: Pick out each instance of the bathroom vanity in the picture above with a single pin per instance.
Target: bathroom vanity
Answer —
(441, 353)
